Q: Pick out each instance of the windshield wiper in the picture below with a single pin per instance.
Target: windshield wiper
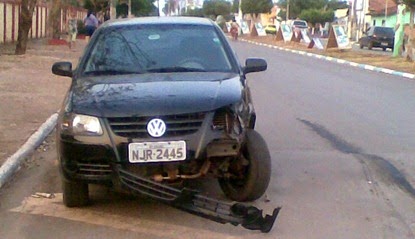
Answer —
(175, 69)
(110, 72)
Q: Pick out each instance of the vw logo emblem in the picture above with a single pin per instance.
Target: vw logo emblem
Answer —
(156, 128)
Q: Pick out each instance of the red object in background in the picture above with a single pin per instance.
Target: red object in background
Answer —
(57, 42)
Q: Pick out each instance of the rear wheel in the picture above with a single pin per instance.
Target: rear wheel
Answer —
(254, 172)
(75, 194)
(384, 48)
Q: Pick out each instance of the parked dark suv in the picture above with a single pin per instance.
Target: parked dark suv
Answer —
(380, 37)
(159, 101)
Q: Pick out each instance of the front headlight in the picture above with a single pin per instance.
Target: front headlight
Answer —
(81, 125)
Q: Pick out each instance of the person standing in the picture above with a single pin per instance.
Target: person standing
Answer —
(91, 23)
(234, 30)
(72, 29)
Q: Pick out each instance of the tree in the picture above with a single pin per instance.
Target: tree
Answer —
(235, 6)
(314, 16)
(255, 7)
(216, 8)
(296, 6)
(25, 23)
(138, 8)
(96, 5)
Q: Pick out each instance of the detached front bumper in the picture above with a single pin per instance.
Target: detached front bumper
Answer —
(191, 201)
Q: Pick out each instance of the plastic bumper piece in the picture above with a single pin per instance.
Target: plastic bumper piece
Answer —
(190, 201)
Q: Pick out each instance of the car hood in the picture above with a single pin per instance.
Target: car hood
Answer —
(154, 94)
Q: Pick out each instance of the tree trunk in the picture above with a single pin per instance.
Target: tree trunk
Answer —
(25, 23)
(254, 19)
(54, 19)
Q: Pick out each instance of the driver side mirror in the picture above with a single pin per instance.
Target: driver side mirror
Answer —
(62, 69)
(254, 65)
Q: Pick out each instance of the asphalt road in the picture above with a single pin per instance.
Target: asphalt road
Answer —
(342, 145)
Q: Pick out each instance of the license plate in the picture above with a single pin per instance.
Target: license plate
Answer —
(157, 152)
(384, 43)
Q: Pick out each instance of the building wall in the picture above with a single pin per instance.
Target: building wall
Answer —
(390, 20)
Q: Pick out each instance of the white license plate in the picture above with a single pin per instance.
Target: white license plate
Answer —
(384, 43)
(157, 151)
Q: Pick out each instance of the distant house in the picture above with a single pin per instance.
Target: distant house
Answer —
(384, 13)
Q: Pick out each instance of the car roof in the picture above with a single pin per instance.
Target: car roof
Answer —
(159, 20)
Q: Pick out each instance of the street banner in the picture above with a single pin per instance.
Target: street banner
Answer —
(284, 33)
(260, 29)
(244, 27)
(227, 27)
(338, 38)
(305, 36)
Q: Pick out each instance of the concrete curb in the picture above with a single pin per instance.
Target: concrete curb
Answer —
(339, 61)
(13, 163)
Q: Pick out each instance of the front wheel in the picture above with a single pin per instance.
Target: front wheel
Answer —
(75, 194)
(253, 171)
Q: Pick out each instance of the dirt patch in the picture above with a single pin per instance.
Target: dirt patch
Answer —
(29, 92)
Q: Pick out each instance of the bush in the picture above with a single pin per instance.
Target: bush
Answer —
(81, 27)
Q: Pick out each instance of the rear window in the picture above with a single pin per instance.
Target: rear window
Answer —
(384, 31)
(300, 23)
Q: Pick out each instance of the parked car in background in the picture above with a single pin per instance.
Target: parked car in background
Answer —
(271, 29)
(380, 37)
(297, 25)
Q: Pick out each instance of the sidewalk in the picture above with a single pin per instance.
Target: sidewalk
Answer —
(29, 92)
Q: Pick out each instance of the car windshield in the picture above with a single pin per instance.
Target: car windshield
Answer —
(157, 48)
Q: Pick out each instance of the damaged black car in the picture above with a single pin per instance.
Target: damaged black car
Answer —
(159, 101)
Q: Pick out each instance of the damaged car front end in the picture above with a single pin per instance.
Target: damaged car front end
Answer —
(163, 116)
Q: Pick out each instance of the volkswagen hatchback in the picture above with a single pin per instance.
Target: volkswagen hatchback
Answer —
(160, 101)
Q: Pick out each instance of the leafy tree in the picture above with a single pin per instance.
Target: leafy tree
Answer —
(216, 8)
(96, 5)
(235, 6)
(256, 7)
(138, 8)
(314, 16)
(296, 6)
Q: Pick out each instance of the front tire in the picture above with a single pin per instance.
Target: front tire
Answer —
(256, 174)
(75, 194)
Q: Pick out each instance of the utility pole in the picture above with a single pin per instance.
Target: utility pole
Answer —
(287, 16)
